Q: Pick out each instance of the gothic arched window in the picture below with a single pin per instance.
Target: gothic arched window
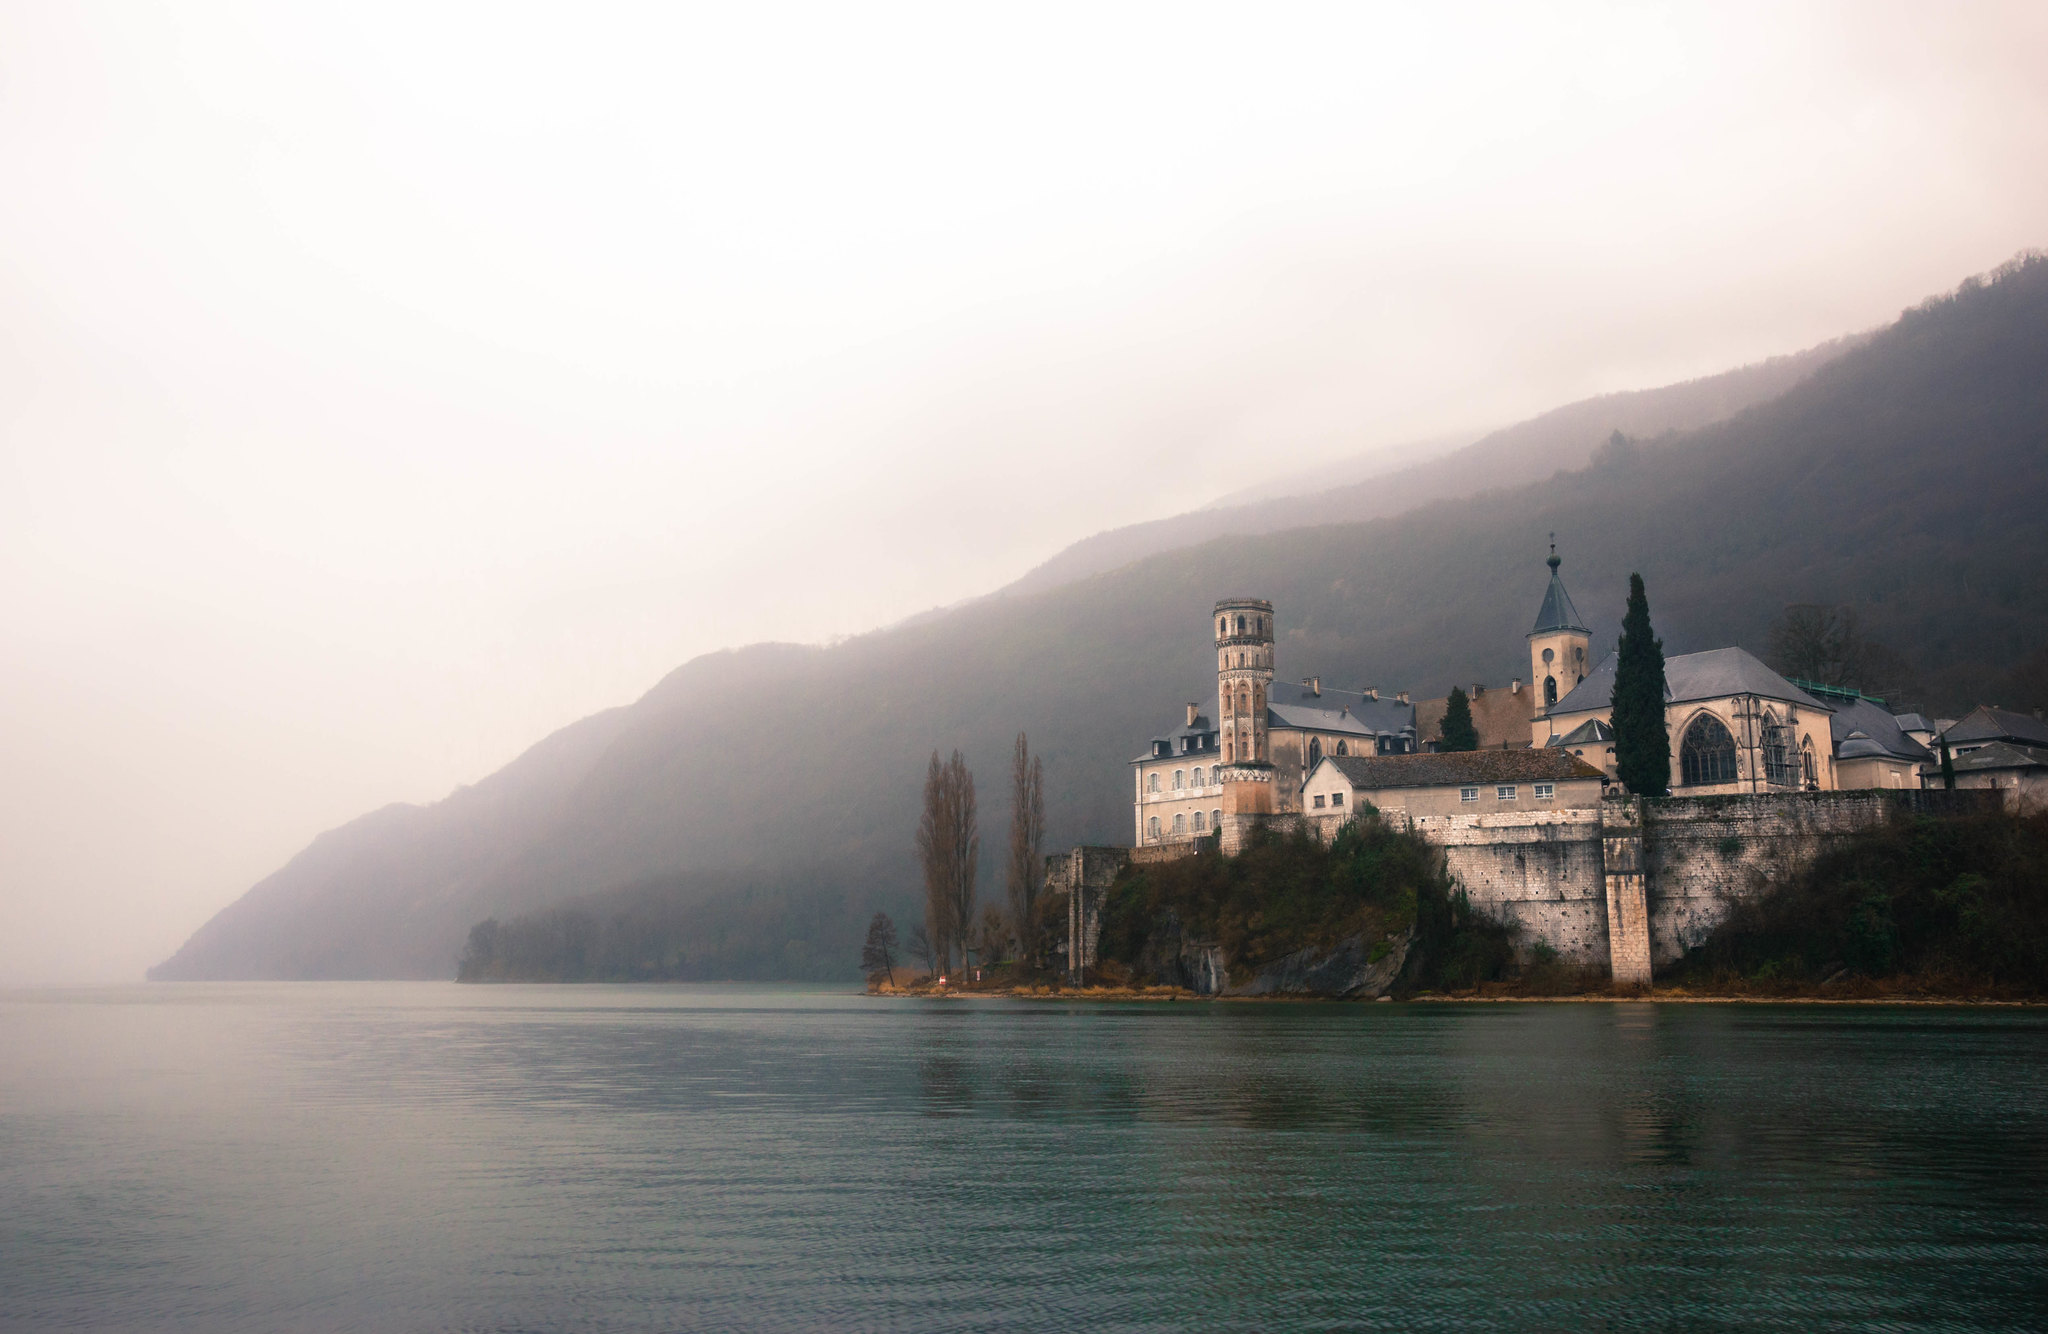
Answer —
(1707, 755)
(1244, 702)
(1315, 751)
(1808, 765)
(1781, 767)
(1341, 750)
(1550, 690)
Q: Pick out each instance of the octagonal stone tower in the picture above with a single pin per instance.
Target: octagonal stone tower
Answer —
(1244, 676)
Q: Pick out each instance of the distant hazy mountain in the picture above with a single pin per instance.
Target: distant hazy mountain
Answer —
(1374, 485)
(761, 802)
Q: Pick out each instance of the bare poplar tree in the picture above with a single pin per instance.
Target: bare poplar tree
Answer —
(966, 846)
(935, 857)
(948, 850)
(1027, 832)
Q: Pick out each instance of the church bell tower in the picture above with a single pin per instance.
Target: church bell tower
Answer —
(1244, 677)
(1560, 644)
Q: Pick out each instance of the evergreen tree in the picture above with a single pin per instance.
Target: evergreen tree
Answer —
(1458, 730)
(1948, 768)
(1642, 748)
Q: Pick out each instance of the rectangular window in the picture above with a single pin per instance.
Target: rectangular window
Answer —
(1545, 791)
(1198, 822)
(1506, 792)
(1468, 794)
(1336, 798)
(1319, 800)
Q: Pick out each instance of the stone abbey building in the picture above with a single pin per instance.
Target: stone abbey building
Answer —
(1736, 726)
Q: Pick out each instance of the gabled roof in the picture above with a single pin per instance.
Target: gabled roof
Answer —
(2000, 755)
(1863, 729)
(1467, 766)
(1591, 732)
(1292, 706)
(1714, 674)
(1989, 724)
(1914, 722)
(1557, 611)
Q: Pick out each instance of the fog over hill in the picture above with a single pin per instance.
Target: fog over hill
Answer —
(758, 804)
(1372, 487)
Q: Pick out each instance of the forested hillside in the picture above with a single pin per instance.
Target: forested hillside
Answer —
(764, 798)
(1565, 437)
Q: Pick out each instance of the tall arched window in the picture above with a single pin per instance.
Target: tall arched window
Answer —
(1240, 625)
(1707, 755)
(1227, 750)
(1550, 690)
(1341, 750)
(1152, 829)
(1222, 625)
(1781, 763)
(1244, 703)
(1198, 778)
(1180, 824)
(1808, 765)
(1152, 783)
(1315, 751)
(1216, 819)
(1180, 779)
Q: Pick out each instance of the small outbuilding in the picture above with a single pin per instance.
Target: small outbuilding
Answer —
(1472, 782)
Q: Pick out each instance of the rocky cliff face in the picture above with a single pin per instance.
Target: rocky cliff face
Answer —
(1351, 969)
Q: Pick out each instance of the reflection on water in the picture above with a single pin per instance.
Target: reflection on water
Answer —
(421, 1156)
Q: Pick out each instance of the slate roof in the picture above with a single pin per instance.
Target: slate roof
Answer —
(1714, 674)
(1863, 729)
(1989, 724)
(1293, 706)
(1591, 732)
(1914, 722)
(1557, 611)
(1201, 727)
(2000, 755)
(1468, 766)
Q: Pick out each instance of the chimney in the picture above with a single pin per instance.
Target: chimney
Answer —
(1315, 686)
(1516, 688)
(1477, 691)
(1372, 692)
(1401, 697)
(1192, 710)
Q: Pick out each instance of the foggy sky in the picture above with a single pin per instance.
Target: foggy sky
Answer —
(382, 386)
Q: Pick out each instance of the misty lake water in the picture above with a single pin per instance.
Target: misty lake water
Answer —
(422, 1156)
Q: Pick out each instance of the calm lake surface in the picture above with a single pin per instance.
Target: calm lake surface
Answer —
(427, 1156)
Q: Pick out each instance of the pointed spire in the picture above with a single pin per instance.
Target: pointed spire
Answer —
(1557, 611)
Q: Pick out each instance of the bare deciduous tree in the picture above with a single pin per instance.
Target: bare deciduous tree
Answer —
(878, 954)
(1027, 832)
(1826, 645)
(949, 851)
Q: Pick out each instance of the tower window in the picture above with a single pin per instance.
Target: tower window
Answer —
(1223, 626)
(1549, 685)
(1240, 625)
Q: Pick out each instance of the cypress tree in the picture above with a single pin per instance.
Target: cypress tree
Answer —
(1458, 731)
(1948, 768)
(1642, 748)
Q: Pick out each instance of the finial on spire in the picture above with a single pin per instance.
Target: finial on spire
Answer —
(1553, 562)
